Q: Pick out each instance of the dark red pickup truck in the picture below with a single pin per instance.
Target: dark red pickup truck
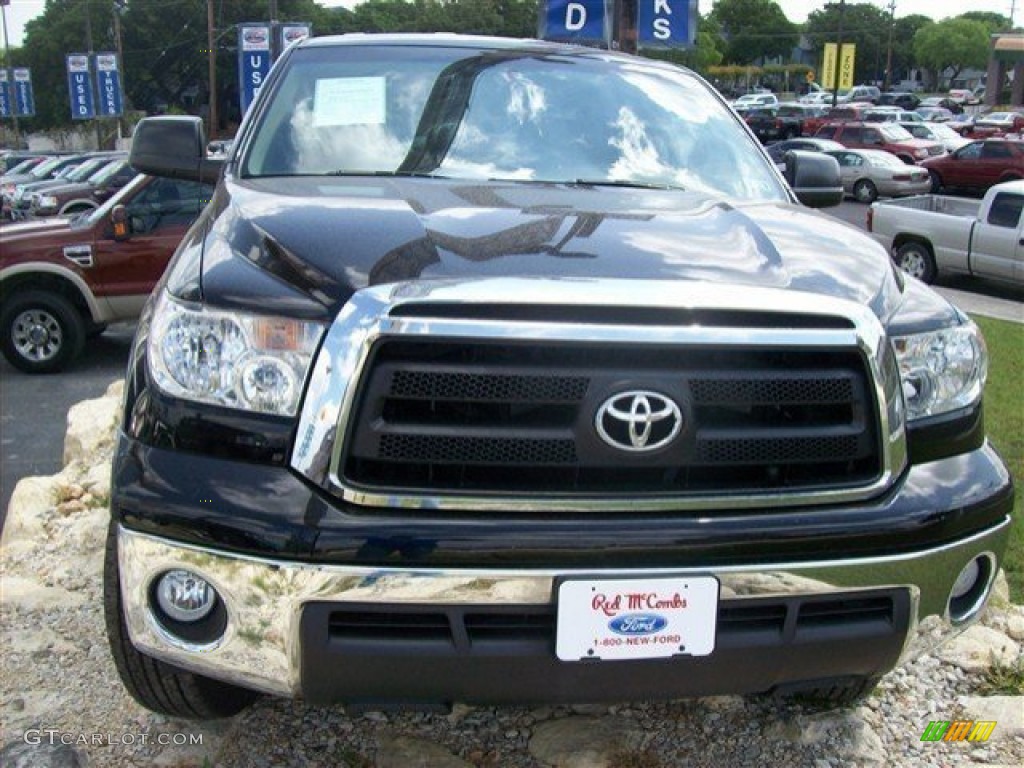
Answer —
(64, 279)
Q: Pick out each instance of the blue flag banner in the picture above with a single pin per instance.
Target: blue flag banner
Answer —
(108, 85)
(577, 21)
(671, 23)
(24, 99)
(80, 87)
(5, 94)
(254, 60)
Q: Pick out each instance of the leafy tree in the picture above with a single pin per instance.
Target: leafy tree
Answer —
(952, 44)
(903, 32)
(995, 22)
(864, 25)
(754, 29)
(707, 51)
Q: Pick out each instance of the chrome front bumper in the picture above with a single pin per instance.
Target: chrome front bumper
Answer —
(261, 647)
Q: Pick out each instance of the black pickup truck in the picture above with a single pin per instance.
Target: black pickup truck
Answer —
(507, 371)
(785, 121)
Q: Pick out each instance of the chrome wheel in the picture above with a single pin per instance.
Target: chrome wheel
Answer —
(916, 260)
(37, 335)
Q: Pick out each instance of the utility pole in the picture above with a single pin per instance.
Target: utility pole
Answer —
(211, 44)
(839, 53)
(7, 64)
(888, 51)
(89, 53)
(118, 8)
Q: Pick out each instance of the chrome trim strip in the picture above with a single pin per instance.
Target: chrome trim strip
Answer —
(261, 647)
(366, 319)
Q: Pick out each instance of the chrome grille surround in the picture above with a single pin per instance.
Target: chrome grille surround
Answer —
(383, 312)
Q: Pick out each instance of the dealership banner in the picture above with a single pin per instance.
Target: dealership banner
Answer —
(24, 98)
(291, 32)
(254, 60)
(578, 21)
(669, 23)
(108, 86)
(5, 94)
(80, 87)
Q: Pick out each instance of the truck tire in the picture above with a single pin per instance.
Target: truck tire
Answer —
(42, 331)
(828, 694)
(154, 684)
(936, 182)
(916, 260)
(865, 191)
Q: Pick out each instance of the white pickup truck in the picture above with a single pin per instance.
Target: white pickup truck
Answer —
(932, 234)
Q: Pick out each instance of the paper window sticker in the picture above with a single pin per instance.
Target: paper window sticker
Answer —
(349, 101)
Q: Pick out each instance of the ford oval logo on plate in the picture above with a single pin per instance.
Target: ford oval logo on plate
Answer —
(635, 624)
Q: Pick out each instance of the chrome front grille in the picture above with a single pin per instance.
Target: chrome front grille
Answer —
(449, 396)
(450, 416)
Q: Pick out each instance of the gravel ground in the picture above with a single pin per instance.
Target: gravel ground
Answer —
(58, 685)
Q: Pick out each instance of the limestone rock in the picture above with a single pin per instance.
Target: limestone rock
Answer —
(21, 754)
(1006, 711)
(91, 426)
(32, 596)
(979, 648)
(401, 751)
(580, 742)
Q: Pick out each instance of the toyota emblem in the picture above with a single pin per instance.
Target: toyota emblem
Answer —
(638, 421)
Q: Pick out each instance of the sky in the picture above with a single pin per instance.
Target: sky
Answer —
(21, 11)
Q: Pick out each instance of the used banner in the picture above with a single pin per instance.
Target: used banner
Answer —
(24, 99)
(254, 60)
(80, 87)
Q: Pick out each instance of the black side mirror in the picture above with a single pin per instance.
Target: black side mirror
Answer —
(173, 147)
(814, 177)
(119, 223)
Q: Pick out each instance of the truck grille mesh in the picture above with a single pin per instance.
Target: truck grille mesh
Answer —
(518, 418)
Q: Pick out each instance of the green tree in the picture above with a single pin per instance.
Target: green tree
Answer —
(903, 32)
(706, 52)
(864, 25)
(952, 45)
(754, 30)
(995, 22)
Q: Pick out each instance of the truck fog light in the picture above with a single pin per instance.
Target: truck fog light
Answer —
(967, 579)
(184, 596)
(971, 588)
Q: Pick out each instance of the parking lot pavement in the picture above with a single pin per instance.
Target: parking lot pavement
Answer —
(984, 304)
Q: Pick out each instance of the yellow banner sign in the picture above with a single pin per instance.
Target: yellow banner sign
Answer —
(828, 67)
(846, 59)
(841, 61)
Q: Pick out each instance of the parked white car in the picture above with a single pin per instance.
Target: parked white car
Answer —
(752, 100)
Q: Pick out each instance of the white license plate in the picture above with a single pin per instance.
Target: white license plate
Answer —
(636, 618)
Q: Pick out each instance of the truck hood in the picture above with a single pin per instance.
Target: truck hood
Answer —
(327, 237)
(28, 233)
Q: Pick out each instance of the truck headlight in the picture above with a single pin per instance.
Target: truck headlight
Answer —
(232, 359)
(942, 371)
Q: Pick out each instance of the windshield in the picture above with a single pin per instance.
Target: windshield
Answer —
(23, 166)
(107, 172)
(940, 131)
(44, 169)
(894, 132)
(507, 115)
(104, 210)
(883, 159)
(86, 169)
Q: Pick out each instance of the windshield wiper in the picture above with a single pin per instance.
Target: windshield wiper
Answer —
(625, 183)
(403, 174)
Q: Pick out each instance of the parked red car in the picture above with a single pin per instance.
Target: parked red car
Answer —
(978, 165)
(997, 124)
(888, 136)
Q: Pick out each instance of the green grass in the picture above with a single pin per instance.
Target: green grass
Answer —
(1004, 421)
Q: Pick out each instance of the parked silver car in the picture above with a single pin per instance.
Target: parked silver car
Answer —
(870, 173)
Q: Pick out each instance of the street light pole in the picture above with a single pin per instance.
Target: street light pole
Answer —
(839, 54)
